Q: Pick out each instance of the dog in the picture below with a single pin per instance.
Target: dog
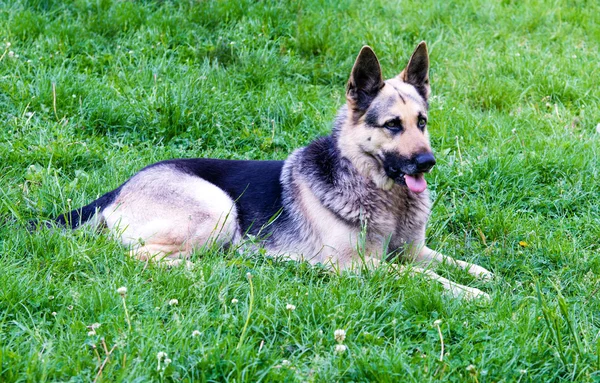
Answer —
(357, 195)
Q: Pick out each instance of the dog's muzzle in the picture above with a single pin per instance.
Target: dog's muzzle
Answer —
(409, 171)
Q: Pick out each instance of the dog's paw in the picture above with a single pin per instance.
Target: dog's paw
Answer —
(477, 294)
(481, 273)
(467, 293)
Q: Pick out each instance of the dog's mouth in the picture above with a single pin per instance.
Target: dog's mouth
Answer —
(414, 182)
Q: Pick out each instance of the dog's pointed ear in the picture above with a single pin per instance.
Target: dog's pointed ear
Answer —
(416, 72)
(365, 80)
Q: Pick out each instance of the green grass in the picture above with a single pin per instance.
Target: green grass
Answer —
(95, 90)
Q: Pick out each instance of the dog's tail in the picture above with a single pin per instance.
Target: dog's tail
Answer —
(78, 217)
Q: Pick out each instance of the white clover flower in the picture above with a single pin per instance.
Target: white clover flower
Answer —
(340, 348)
(8, 44)
(195, 333)
(437, 322)
(523, 372)
(339, 335)
(234, 301)
(54, 313)
(161, 355)
(173, 302)
(70, 307)
(248, 275)
(11, 54)
(51, 297)
(290, 307)
(167, 361)
(471, 368)
(122, 290)
(285, 362)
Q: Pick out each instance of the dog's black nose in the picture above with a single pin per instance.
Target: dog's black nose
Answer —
(424, 162)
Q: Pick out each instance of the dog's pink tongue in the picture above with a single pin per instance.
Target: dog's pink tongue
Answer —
(416, 183)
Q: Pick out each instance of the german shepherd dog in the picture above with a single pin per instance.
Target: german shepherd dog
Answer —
(354, 196)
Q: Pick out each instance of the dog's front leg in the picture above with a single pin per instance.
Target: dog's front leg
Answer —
(427, 255)
(455, 289)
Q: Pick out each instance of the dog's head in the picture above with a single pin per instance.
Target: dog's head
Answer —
(385, 130)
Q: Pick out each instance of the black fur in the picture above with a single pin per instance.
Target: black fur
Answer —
(322, 160)
(417, 70)
(396, 166)
(253, 185)
(372, 118)
(365, 81)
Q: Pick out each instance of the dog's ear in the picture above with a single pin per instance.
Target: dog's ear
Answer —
(416, 72)
(365, 80)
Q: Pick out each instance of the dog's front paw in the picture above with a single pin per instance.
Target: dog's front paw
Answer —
(481, 273)
(467, 293)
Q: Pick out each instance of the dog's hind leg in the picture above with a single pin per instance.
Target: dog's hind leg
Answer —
(455, 289)
(163, 214)
(163, 254)
(426, 256)
(170, 243)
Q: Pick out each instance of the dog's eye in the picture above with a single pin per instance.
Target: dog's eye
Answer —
(421, 123)
(393, 125)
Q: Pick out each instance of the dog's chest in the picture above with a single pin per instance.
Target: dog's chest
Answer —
(398, 215)
(357, 209)
(410, 212)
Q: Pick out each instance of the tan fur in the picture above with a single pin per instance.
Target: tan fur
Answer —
(141, 219)
(333, 241)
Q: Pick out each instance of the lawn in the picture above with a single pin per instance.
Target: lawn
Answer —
(93, 90)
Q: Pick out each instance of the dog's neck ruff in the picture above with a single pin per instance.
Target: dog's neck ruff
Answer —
(341, 188)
